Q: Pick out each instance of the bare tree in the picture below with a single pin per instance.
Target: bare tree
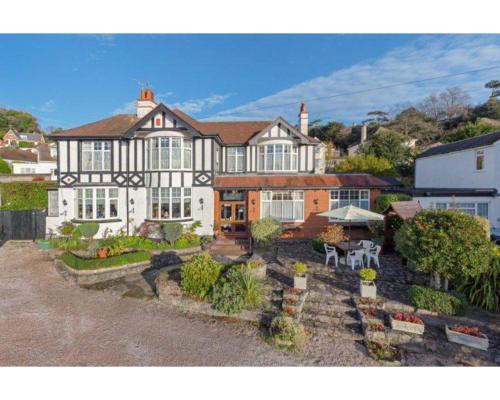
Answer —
(451, 103)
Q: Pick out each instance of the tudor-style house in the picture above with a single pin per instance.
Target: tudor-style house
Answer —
(163, 165)
(463, 175)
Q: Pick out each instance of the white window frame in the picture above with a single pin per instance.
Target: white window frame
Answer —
(235, 159)
(161, 150)
(53, 203)
(163, 193)
(335, 200)
(99, 152)
(480, 154)
(264, 155)
(297, 197)
(468, 207)
(111, 196)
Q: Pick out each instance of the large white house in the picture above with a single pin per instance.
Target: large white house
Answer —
(163, 165)
(464, 175)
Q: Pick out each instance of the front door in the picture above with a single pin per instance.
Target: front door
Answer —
(233, 213)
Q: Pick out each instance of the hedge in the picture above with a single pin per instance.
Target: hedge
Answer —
(4, 167)
(25, 195)
(384, 200)
(80, 263)
(438, 301)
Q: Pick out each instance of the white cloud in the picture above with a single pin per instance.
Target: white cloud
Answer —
(127, 108)
(48, 106)
(425, 58)
(198, 105)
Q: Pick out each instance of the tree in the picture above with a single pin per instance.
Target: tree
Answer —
(327, 132)
(377, 117)
(385, 200)
(494, 85)
(490, 109)
(416, 124)
(389, 145)
(451, 103)
(368, 164)
(470, 129)
(4, 167)
(18, 120)
(448, 244)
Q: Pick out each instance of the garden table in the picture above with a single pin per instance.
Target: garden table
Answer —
(346, 246)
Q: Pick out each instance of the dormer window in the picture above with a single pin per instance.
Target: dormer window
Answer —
(479, 160)
(277, 157)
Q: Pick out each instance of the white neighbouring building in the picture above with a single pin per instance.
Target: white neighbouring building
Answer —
(31, 161)
(464, 175)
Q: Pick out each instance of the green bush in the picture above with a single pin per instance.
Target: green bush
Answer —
(384, 200)
(23, 144)
(250, 286)
(265, 230)
(438, 301)
(88, 229)
(81, 263)
(66, 228)
(368, 164)
(284, 328)
(141, 243)
(448, 243)
(4, 167)
(25, 195)
(483, 290)
(300, 269)
(172, 231)
(367, 274)
(199, 274)
(227, 296)
(318, 245)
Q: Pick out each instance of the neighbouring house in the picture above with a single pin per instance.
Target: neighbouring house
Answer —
(162, 165)
(463, 175)
(12, 137)
(354, 149)
(31, 161)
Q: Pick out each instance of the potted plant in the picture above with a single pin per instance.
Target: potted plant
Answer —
(467, 335)
(367, 285)
(300, 278)
(102, 253)
(407, 323)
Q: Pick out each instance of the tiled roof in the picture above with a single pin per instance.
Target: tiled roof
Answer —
(116, 125)
(470, 143)
(405, 209)
(28, 137)
(299, 181)
(11, 153)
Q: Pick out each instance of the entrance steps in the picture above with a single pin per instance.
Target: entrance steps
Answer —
(237, 246)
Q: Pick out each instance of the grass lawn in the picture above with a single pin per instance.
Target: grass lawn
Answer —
(80, 263)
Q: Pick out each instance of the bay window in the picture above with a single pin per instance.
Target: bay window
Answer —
(97, 203)
(235, 159)
(169, 203)
(278, 157)
(170, 153)
(96, 156)
(285, 205)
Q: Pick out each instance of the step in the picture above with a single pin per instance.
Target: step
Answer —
(343, 332)
(328, 308)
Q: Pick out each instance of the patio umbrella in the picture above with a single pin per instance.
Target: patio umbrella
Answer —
(351, 214)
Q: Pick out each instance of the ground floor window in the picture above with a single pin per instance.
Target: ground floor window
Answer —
(479, 209)
(97, 203)
(169, 203)
(342, 198)
(285, 205)
(53, 206)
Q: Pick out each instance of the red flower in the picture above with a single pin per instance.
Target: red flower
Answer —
(400, 316)
(467, 330)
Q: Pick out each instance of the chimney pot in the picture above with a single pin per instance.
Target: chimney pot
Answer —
(146, 102)
(364, 133)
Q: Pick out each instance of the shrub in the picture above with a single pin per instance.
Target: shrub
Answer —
(367, 274)
(483, 290)
(227, 296)
(448, 243)
(88, 229)
(286, 329)
(265, 230)
(199, 274)
(4, 167)
(64, 243)
(81, 263)
(172, 231)
(332, 234)
(66, 228)
(384, 200)
(251, 288)
(114, 245)
(318, 245)
(368, 164)
(300, 269)
(438, 301)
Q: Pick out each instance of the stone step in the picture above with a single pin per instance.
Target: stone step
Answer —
(335, 319)
(328, 298)
(318, 307)
(340, 331)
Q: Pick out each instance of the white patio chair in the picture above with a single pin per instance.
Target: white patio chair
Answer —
(373, 255)
(331, 251)
(355, 257)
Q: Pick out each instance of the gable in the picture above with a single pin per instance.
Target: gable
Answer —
(280, 129)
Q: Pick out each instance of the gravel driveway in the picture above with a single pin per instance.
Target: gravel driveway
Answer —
(45, 320)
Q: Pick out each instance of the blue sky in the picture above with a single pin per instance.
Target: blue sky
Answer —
(69, 80)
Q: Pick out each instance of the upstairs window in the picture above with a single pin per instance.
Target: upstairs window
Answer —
(170, 153)
(96, 156)
(277, 157)
(235, 159)
(479, 160)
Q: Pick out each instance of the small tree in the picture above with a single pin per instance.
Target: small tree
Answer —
(265, 231)
(368, 164)
(172, 231)
(88, 231)
(384, 200)
(332, 234)
(448, 244)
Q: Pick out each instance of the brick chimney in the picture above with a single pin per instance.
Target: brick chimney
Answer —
(364, 133)
(146, 102)
(303, 119)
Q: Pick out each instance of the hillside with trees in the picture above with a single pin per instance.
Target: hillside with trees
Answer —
(19, 120)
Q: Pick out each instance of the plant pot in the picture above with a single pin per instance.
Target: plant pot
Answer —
(404, 326)
(102, 253)
(368, 289)
(480, 343)
(300, 282)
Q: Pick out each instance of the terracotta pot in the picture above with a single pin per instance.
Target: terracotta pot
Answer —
(102, 253)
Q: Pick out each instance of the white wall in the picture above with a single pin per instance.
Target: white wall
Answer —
(205, 213)
(40, 168)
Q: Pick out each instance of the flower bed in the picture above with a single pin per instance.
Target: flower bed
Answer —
(81, 263)
(470, 336)
(407, 323)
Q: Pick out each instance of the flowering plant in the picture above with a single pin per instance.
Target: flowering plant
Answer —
(370, 311)
(399, 316)
(467, 330)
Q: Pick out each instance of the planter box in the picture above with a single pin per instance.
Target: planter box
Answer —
(300, 282)
(409, 327)
(368, 289)
(480, 343)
